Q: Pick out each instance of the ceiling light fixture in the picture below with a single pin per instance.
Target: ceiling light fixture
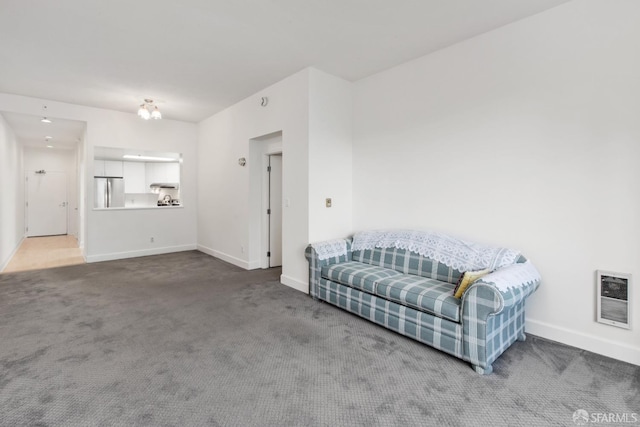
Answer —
(45, 120)
(148, 110)
(47, 138)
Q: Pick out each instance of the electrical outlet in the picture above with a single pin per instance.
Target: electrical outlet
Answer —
(327, 202)
(151, 239)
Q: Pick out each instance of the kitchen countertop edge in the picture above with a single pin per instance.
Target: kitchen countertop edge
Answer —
(139, 208)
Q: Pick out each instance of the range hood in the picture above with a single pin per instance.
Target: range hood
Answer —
(169, 185)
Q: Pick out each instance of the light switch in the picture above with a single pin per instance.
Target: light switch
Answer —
(328, 202)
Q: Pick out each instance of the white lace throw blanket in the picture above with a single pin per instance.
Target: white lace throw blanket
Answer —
(513, 276)
(330, 249)
(451, 251)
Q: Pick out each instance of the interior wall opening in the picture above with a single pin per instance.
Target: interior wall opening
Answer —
(52, 175)
(265, 230)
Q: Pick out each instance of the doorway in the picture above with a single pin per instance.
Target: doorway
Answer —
(267, 201)
(274, 211)
(46, 204)
(50, 203)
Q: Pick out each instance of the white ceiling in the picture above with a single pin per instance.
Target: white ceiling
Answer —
(31, 132)
(197, 57)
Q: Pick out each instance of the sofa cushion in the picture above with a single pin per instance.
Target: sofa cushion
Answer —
(467, 280)
(407, 262)
(424, 294)
(357, 275)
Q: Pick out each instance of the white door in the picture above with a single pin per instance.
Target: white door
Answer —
(275, 209)
(46, 203)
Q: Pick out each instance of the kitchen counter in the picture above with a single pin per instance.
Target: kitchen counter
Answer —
(137, 208)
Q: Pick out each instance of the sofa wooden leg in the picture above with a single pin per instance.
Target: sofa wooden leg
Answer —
(483, 371)
(522, 336)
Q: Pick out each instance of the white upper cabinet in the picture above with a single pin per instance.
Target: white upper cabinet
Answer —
(98, 168)
(151, 176)
(162, 173)
(173, 172)
(112, 168)
(134, 177)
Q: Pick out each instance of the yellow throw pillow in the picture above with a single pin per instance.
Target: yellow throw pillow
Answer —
(466, 280)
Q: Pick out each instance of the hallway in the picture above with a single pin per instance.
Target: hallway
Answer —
(37, 253)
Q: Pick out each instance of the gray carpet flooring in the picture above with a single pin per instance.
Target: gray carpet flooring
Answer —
(188, 340)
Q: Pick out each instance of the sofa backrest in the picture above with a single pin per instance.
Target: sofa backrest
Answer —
(408, 252)
(407, 262)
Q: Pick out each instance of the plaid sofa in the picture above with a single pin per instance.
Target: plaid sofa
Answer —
(413, 295)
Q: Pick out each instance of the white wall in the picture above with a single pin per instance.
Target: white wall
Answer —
(310, 113)
(54, 160)
(12, 191)
(528, 137)
(81, 172)
(126, 233)
(330, 156)
(228, 223)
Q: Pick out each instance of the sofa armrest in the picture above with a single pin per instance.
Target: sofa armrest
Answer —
(501, 290)
(512, 284)
(493, 312)
(325, 253)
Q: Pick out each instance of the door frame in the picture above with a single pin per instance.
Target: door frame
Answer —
(260, 148)
(266, 226)
(275, 218)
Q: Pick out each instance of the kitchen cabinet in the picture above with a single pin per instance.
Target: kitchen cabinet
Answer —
(173, 172)
(112, 168)
(134, 177)
(150, 174)
(98, 168)
(162, 173)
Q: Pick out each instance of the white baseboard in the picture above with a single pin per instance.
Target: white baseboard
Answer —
(13, 252)
(613, 349)
(254, 265)
(225, 257)
(139, 253)
(285, 280)
(294, 283)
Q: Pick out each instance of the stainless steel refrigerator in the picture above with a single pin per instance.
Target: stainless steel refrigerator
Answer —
(108, 193)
